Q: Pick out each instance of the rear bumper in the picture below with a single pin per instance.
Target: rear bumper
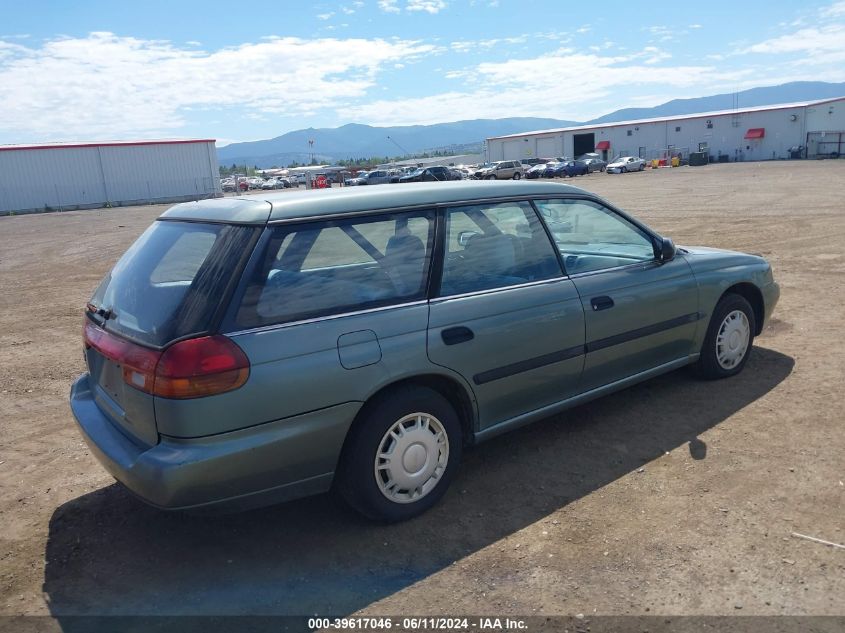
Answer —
(268, 463)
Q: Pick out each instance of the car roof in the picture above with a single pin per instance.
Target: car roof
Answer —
(339, 201)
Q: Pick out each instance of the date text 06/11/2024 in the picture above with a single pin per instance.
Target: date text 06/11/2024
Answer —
(429, 623)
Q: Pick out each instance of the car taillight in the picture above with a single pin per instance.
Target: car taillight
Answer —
(200, 367)
(192, 368)
(138, 363)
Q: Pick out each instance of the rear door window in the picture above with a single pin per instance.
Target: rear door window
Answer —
(318, 269)
(494, 246)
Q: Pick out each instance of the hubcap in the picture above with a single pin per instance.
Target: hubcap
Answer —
(732, 339)
(411, 457)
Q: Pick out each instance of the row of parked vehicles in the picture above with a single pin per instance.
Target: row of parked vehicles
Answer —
(559, 167)
(246, 184)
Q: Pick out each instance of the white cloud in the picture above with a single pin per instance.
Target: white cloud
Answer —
(388, 6)
(835, 10)
(816, 40)
(572, 85)
(106, 86)
(429, 6)
(325, 16)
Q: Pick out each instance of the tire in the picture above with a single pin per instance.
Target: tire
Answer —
(517, 176)
(623, 170)
(642, 167)
(491, 177)
(366, 481)
(722, 353)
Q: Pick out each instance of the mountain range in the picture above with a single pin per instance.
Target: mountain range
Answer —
(356, 140)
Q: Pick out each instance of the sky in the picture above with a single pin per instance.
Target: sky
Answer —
(76, 71)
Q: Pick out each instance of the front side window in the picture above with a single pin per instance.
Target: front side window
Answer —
(495, 245)
(324, 268)
(592, 237)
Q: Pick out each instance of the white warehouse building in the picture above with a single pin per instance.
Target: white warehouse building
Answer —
(759, 133)
(63, 176)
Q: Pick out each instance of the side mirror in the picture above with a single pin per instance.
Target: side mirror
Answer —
(667, 250)
(465, 236)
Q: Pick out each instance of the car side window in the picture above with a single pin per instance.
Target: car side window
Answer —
(592, 237)
(495, 245)
(317, 269)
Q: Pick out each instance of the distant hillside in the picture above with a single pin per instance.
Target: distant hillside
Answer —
(363, 141)
(769, 95)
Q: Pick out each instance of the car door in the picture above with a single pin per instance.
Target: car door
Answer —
(640, 313)
(505, 317)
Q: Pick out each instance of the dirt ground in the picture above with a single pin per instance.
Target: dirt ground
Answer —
(673, 497)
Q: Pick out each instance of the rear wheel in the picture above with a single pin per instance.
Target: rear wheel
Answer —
(730, 335)
(401, 455)
(517, 176)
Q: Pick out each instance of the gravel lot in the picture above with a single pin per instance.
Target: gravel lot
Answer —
(672, 497)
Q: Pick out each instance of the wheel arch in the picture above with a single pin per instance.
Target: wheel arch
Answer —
(456, 393)
(752, 294)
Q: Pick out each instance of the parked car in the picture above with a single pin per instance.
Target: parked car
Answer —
(574, 168)
(537, 171)
(428, 174)
(375, 177)
(270, 183)
(501, 170)
(247, 351)
(227, 185)
(624, 164)
(530, 162)
(555, 169)
(595, 164)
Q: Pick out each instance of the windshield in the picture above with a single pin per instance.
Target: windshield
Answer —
(170, 281)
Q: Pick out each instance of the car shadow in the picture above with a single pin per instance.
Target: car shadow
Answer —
(109, 554)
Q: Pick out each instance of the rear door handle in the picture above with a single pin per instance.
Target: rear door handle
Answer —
(601, 303)
(455, 335)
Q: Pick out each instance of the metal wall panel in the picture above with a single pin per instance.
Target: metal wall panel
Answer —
(724, 134)
(79, 177)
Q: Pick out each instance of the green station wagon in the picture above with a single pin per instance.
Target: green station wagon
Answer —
(245, 351)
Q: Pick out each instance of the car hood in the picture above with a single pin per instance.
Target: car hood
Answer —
(702, 258)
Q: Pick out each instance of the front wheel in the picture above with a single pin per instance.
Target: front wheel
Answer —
(730, 335)
(401, 455)
(491, 177)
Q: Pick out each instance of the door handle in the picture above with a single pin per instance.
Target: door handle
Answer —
(455, 335)
(601, 303)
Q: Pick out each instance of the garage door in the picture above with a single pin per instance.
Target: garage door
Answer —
(512, 149)
(548, 147)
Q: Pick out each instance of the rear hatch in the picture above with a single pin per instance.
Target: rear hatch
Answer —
(171, 284)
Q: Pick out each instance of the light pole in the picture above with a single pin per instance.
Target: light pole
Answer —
(311, 146)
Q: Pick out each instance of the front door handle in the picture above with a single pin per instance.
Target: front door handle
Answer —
(601, 303)
(455, 335)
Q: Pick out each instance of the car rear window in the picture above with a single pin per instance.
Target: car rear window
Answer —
(318, 269)
(170, 282)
